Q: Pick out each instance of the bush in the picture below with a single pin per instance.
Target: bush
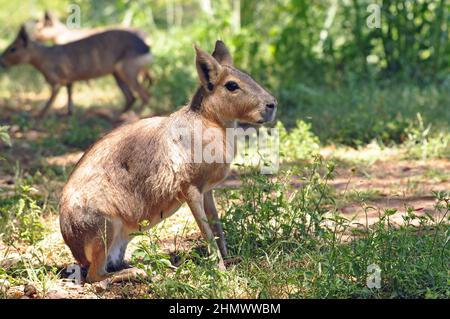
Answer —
(299, 143)
(268, 210)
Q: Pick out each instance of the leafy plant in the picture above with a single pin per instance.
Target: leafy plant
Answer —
(4, 135)
(299, 143)
(20, 216)
(195, 276)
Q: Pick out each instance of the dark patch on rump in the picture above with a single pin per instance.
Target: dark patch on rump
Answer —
(125, 166)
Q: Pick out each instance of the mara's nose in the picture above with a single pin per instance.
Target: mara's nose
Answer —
(270, 111)
(272, 104)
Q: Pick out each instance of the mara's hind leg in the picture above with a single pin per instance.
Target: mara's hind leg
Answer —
(122, 270)
(97, 245)
(106, 251)
(118, 248)
(129, 71)
(96, 254)
(100, 265)
(128, 94)
(101, 248)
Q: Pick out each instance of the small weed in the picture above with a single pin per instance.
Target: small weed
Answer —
(422, 144)
(4, 135)
(20, 216)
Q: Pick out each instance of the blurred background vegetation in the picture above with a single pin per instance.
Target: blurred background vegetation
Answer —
(352, 83)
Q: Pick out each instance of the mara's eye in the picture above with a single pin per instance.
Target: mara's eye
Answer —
(231, 86)
(12, 50)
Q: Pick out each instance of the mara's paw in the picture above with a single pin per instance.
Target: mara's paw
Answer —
(129, 274)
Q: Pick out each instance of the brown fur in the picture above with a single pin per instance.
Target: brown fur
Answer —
(142, 171)
(50, 28)
(116, 52)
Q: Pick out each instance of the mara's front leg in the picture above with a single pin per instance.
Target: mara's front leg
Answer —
(194, 199)
(55, 90)
(214, 221)
(69, 99)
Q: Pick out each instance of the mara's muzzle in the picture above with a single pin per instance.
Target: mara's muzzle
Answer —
(269, 112)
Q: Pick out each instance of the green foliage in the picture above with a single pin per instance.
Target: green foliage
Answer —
(74, 133)
(266, 211)
(4, 135)
(20, 216)
(4, 138)
(411, 259)
(333, 37)
(299, 143)
(291, 242)
(79, 134)
(422, 144)
(297, 233)
(196, 274)
(358, 113)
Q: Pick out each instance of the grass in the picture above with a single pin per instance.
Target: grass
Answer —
(289, 242)
(290, 246)
(356, 114)
(288, 234)
(20, 217)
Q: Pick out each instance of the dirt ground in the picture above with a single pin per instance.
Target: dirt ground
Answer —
(396, 185)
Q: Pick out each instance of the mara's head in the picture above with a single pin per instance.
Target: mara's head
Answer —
(48, 28)
(230, 94)
(18, 51)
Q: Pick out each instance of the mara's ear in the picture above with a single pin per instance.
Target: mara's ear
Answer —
(208, 68)
(23, 36)
(48, 18)
(221, 53)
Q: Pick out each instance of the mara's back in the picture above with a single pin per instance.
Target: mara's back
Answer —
(98, 54)
(128, 171)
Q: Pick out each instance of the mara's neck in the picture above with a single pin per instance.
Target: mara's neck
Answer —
(39, 55)
(198, 105)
